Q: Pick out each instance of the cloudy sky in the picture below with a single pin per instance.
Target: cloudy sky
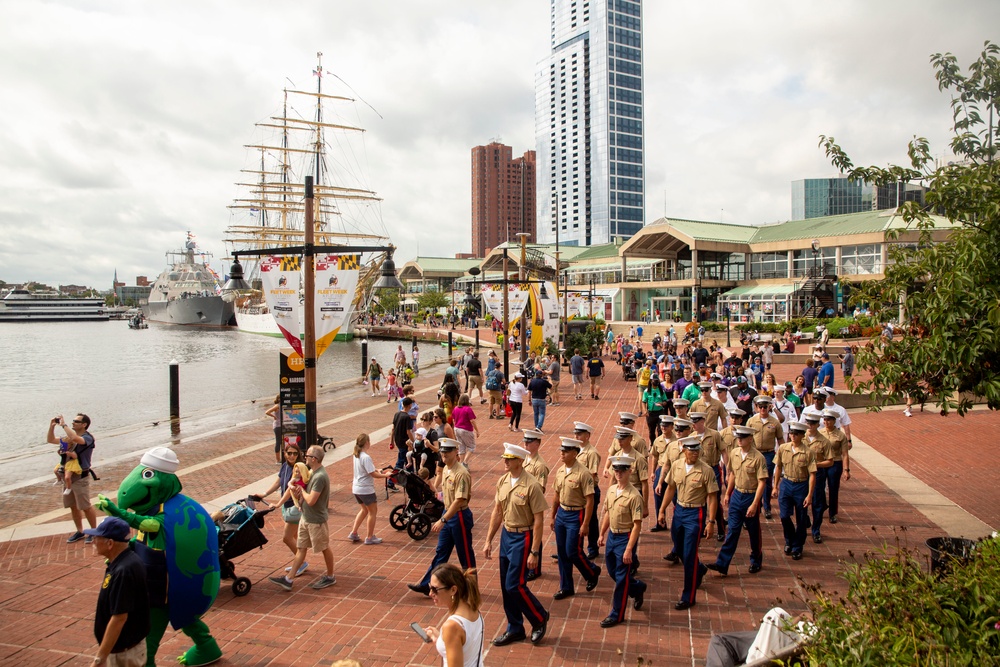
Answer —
(122, 123)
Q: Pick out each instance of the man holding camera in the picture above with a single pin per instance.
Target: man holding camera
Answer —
(80, 447)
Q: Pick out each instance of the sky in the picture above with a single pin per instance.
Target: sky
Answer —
(123, 124)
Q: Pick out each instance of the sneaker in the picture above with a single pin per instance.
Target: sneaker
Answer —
(907, 413)
(281, 581)
(66, 492)
(75, 537)
(89, 540)
(354, 537)
(373, 540)
(298, 572)
(324, 582)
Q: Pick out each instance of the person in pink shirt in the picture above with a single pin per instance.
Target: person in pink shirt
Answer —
(466, 431)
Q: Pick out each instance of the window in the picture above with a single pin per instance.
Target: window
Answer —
(769, 265)
(861, 259)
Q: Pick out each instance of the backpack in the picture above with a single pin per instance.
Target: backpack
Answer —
(492, 382)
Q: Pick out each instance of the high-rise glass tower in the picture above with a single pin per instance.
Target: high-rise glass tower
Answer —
(589, 123)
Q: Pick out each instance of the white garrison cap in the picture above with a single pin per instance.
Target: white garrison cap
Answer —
(160, 459)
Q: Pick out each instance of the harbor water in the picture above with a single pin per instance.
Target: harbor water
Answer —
(119, 377)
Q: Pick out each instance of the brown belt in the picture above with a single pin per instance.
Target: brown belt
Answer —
(689, 506)
(792, 480)
(518, 530)
(570, 509)
(622, 532)
(747, 491)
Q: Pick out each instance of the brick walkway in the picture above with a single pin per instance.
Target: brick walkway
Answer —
(48, 588)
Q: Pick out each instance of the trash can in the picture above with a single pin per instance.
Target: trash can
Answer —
(947, 550)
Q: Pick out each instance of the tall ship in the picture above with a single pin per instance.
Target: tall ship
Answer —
(20, 305)
(188, 292)
(312, 133)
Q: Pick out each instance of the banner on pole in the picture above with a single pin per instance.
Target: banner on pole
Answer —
(280, 279)
(517, 298)
(336, 284)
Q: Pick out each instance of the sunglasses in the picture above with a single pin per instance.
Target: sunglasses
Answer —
(293, 452)
(621, 468)
(77, 421)
(436, 589)
(310, 456)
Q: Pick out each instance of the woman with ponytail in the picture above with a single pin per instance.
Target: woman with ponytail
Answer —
(460, 638)
(364, 490)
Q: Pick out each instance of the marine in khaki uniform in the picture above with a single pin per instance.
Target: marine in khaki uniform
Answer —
(794, 481)
(823, 453)
(729, 440)
(713, 453)
(657, 454)
(714, 409)
(682, 429)
(747, 480)
(841, 468)
(621, 526)
(572, 507)
(539, 469)
(693, 484)
(767, 436)
(520, 509)
(590, 458)
(627, 419)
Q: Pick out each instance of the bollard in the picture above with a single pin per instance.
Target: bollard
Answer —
(413, 342)
(364, 357)
(450, 345)
(477, 338)
(175, 390)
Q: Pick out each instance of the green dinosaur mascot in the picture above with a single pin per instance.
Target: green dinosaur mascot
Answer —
(178, 542)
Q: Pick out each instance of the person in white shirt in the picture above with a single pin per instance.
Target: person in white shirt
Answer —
(844, 420)
(783, 409)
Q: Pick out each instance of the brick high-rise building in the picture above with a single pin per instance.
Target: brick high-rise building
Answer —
(503, 196)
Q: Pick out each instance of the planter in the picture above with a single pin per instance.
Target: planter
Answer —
(947, 550)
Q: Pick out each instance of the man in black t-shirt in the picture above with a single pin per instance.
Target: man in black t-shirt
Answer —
(402, 433)
(474, 370)
(595, 368)
(700, 355)
(121, 621)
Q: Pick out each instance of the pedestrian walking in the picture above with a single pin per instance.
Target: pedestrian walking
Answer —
(463, 418)
(454, 528)
(794, 482)
(539, 387)
(516, 391)
(290, 514)
(621, 526)
(519, 508)
(539, 469)
(744, 491)
(363, 489)
(572, 507)
(459, 640)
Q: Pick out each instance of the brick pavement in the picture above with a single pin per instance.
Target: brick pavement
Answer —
(48, 588)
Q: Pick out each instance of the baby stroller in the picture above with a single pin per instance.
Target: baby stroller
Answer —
(239, 531)
(421, 509)
(628, 368)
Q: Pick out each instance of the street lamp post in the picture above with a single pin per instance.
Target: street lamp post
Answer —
(388, 280)
(815, 272)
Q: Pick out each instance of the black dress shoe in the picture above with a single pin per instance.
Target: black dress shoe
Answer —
(637, 603)
(563, 594)
(555, 556)
(593, 555)
(720, 538)
(533, 576)
(658, 528)
(788, 550)
(796, 555)
(417, 588)
(767, 514)
(609, 622)
(670, 557)
(714, 567)
(818, 539)
(682, 605)
(509, 638)
(592, 584)
(539, 632)
(754, 569)
(833, 519)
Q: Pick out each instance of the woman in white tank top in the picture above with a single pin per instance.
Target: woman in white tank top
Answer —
(459, 641)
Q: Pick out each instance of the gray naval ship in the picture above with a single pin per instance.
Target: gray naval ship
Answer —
(188, 292)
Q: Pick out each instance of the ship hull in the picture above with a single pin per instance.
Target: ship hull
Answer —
(263, 324)
(201, 310)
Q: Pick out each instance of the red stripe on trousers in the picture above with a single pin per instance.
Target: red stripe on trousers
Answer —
(522, 584)
(579, 544)
(701, 529)
(465, 539)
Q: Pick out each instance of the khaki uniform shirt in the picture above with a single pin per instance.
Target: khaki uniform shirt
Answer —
(456, 483)
(838, 443)
(746, 471)
(820, 446)
(573, 487)
(729, 440)
(520, 502)
(765, 434)
(640, 470)
(538, 468)
(623, 510)
(589, 458)
(659, 448)
(796, 466)
(692, 487)
(711, 447)
(671, 454)
(713, 409)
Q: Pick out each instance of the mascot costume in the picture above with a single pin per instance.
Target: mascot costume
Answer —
(178, 542)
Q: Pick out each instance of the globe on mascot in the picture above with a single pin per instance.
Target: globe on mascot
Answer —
(179, 544)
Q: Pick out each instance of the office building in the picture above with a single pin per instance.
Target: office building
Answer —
(589, 124)
(821, 197)
(503, 196)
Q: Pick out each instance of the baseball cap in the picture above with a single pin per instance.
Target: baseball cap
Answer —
(112, 528)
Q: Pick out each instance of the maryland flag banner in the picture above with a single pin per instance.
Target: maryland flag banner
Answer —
(336, 282)
(517, 299)
(280, 279)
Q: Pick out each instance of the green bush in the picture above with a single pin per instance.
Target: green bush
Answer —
(714, 326)
(895, 613)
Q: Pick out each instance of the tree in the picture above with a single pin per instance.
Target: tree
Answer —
(949, 291)
(432, 300)
(386, 301)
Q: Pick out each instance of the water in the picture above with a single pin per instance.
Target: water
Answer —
(119, 377)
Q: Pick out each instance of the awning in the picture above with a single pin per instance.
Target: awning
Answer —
(408, 302)
(760, 292)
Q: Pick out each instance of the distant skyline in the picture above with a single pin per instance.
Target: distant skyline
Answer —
(123, 123)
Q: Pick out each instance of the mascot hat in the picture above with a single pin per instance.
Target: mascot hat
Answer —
(161, 459)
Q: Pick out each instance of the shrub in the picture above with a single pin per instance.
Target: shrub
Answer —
(895, 613)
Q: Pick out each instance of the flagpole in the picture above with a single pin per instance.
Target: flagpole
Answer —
(309, 339)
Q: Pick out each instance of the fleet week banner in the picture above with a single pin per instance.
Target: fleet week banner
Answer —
(336, 283)
(573, 302)
(280, 279)
(517, 299)
(545, 316)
